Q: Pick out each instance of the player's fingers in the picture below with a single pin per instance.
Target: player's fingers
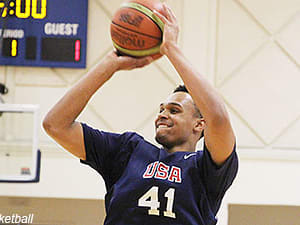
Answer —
(167, 11)
(125, 62)
(128, 63)
(112, 53)
(125, 59)
(141, 62)
(161, 16)
(172, 16)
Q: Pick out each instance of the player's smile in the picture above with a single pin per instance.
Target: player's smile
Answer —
(161, 124)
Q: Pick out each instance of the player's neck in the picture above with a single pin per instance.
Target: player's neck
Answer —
(185, 147)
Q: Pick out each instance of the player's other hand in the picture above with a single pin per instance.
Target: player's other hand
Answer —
(126, 62)
(171, 28)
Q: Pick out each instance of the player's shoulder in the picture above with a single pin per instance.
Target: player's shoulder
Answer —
(131, 135)
(135, 138)
(127, 135)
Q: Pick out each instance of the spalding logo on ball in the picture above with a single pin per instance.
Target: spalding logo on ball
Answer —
(135, 30)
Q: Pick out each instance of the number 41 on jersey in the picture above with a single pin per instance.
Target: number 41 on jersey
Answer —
(150, 199)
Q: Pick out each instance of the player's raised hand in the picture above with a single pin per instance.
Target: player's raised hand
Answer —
(126, 62)
(171, 28)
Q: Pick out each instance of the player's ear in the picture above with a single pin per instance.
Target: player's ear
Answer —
(199, 125)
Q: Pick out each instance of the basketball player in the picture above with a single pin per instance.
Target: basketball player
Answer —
(147, 185)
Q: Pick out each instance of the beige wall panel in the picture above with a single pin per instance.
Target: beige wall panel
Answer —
(167, 70)
(110, 7)
(289, 37)
(129, 97)
(148, 129)
(244, 29)
(245, 136)
(257, 92)
(69, 76)
(92, 118)
(44, 96)
(178, 7)
(238, 36)
(290, 137)
(9, 81)
(267, 182)
(272, 13)
(2, 74)
(98, 33)
(28, 76)
(195, 32)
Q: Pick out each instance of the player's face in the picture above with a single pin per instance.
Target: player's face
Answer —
(175, 121)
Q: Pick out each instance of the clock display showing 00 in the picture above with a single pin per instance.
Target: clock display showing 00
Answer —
(43, 33)
(23, 9)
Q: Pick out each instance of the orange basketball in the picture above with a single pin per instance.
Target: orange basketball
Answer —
(135, 30)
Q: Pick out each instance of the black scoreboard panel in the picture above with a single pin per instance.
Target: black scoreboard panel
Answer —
(46, 33)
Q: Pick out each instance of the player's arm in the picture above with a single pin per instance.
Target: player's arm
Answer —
(60, 122)
(218, 134)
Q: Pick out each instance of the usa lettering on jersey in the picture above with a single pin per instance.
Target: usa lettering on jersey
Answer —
(159, 170)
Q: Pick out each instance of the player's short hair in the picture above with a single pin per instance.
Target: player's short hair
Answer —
(182, 88)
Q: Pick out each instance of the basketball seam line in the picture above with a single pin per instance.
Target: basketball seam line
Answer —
(144, 49)
(136, 31)
(148, 15)
(144, 13)
(138, 53)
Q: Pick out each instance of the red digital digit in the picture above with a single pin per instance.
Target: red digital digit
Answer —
(77, 50)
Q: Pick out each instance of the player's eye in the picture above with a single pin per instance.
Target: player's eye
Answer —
(161, 110)
(173, 110)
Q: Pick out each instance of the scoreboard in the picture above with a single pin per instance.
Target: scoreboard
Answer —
(43, 33)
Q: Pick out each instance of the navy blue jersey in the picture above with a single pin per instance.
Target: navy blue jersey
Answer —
(147, 185)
